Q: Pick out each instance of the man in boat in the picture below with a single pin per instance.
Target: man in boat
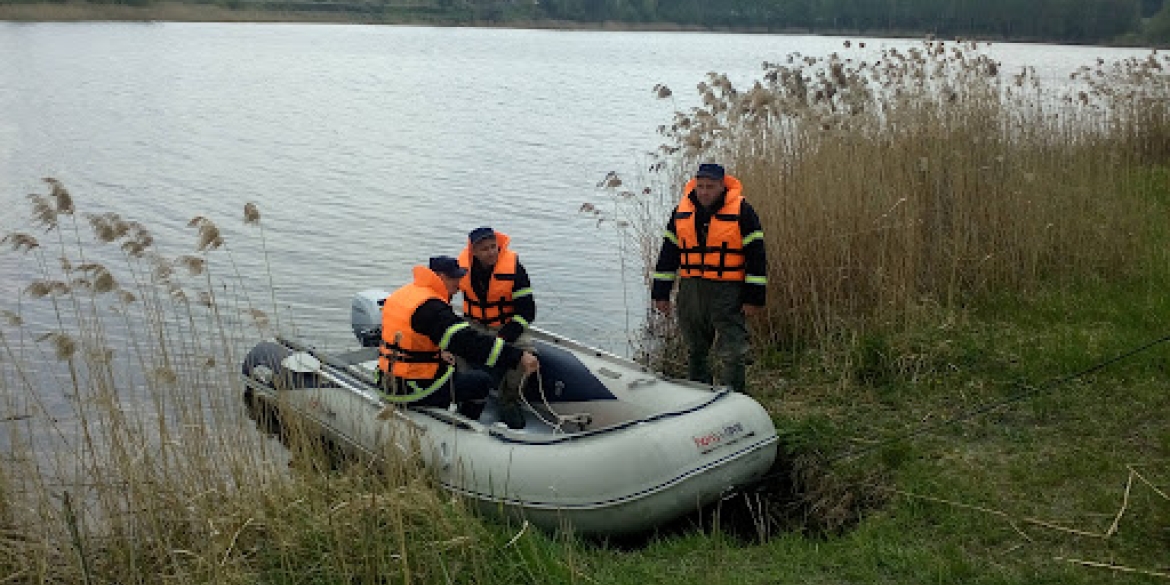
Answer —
(497, 300)
(421, 335)
(714, 247)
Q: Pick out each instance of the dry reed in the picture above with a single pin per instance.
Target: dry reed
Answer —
(147, 469)
(927, 176)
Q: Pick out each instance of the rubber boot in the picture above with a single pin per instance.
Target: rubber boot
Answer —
(512, 415)
(472, 408)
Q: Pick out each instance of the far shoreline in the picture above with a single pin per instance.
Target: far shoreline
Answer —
(210, 13)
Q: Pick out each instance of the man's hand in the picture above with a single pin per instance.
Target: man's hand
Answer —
(447, 356)
(752, 310)
(529, 363)
(662, 307)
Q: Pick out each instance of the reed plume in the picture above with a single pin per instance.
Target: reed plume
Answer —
(63, 345)
(925, 175)
(44, 212)
(20, 242)
(103, 280)
(209, 236)
(63, 201)
(251, 214)
(194, 264)
(11, 318)
(108, 227)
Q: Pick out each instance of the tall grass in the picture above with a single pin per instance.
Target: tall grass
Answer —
(947, 243)
(927, 178)
(127, 456)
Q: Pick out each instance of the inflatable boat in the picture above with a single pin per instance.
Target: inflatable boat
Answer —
(609, 448)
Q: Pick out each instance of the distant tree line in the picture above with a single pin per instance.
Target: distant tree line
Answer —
(1071, 21)
(1068, 20)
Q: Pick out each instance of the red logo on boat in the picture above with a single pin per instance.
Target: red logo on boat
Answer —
(721, 436)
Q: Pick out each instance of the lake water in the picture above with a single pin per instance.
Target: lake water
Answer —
(370, 148)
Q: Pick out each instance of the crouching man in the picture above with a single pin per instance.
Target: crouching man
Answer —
(421, 334)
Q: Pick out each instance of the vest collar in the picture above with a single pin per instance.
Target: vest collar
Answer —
(733, 189)
(426, 278)
(502, 240)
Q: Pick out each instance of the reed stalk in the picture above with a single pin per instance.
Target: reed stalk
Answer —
(136, 463)
(928, 177)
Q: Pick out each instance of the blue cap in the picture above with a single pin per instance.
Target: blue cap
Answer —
(446, 266)
(480, 233)
(710, 171)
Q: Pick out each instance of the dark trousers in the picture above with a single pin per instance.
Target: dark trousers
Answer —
(710, 317)
(468, 388)
(508, 381)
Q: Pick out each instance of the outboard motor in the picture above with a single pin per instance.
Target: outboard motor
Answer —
(365, 316)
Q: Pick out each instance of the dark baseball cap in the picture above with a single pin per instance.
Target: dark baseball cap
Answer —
(480, 233)
(710, 171)
(446, 266)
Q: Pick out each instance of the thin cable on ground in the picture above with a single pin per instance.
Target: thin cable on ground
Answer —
(983, 409)
(989, 407)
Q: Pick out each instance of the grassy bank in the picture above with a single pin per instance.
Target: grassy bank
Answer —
(170, 483)
(947, 250)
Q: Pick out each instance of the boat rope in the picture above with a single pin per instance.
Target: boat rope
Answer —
(581, 419)
(974, 412)
(985, 408)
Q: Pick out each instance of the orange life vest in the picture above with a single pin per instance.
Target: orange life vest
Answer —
(721, 256)
(416, 357)
(499, 306)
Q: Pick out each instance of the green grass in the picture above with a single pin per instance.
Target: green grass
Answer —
(887, 490)
(934, 427)
(1063, 455)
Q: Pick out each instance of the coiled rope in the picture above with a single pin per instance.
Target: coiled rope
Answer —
(581, 418)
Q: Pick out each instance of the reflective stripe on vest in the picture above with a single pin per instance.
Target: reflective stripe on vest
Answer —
(721, 256)
(414, 391)
(499, 305)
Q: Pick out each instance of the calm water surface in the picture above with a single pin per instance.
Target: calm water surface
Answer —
(369, 148)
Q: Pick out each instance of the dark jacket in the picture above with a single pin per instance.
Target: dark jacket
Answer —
(524, 306)
(755, 258)
(434, 317)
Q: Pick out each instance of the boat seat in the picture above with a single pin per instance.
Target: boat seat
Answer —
(564, 378)
(358, 356)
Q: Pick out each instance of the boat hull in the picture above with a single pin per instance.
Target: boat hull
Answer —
(656, 449)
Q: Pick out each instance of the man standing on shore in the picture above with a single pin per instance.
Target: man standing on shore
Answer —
(714, 247)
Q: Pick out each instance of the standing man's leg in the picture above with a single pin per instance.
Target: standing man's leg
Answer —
(734, 341)
(694, 321)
